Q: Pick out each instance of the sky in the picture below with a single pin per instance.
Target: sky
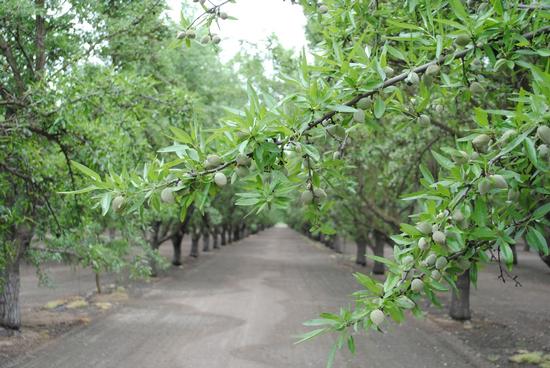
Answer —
(257, 19)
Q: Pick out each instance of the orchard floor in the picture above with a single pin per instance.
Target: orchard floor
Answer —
(241, 306)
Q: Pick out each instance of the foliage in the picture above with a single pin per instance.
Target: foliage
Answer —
(390, 82)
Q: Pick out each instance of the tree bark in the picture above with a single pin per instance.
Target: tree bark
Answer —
(378, 250)
(514, 253)
(545, 259)
(337, 243)
(206, 241)
(236, 234)
(195, 237)
(155, 245)
(98, 282)
(223, 236)
(361, 255)
(176, 245)
(215, 240)
(460, 302)
(244, 231)
(10, 281)
(10, 313)
(229, 235)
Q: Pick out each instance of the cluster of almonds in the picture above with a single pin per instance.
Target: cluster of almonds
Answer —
(366, 102)
(206, 39)
(213, 161)
(543, 133)
(243, 163)
(482, 142)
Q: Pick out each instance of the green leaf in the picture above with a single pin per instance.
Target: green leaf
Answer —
(372, 285)
(506, 252)
(537, 241)
(382, 260)
(331, 356)
(443, 161)
(409, 229)
(426, 174)
(311, 334)
(481, 117)
(87, 171)
(483, 233)
(379, 107)
(181, 135)
(531, 151)
(178, 148)
(105, 203)
(81, 191)
(320, 322)
(395, 313)
(405, 302)
(351, 344)
(541, 211)
(480, 212)
(459, 10)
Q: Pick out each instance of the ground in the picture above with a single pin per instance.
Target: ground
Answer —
(242, 306)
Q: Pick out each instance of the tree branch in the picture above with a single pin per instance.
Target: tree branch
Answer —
(419, 70)
(6, 50)
(40, 33)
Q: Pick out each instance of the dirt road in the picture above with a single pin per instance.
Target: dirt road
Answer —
(240, 308)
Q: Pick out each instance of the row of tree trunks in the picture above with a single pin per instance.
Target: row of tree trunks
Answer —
(214, 237)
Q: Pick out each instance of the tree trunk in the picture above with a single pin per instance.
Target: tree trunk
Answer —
(155, 245)
(176, 244)
(154, 266)
(206, 241)
(378, 250)
(10, 281)
(10, 313)
(98, 282)
(361, 255)
(545, 259)
(215, 242)
(244, 231)
(229, 235)
(223, 236)
(236, 234)
(460, 302)
(195, 237)
(514, 253)
(337, 243)
(378, 268)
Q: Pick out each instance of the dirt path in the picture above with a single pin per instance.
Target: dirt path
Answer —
(241, 307)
